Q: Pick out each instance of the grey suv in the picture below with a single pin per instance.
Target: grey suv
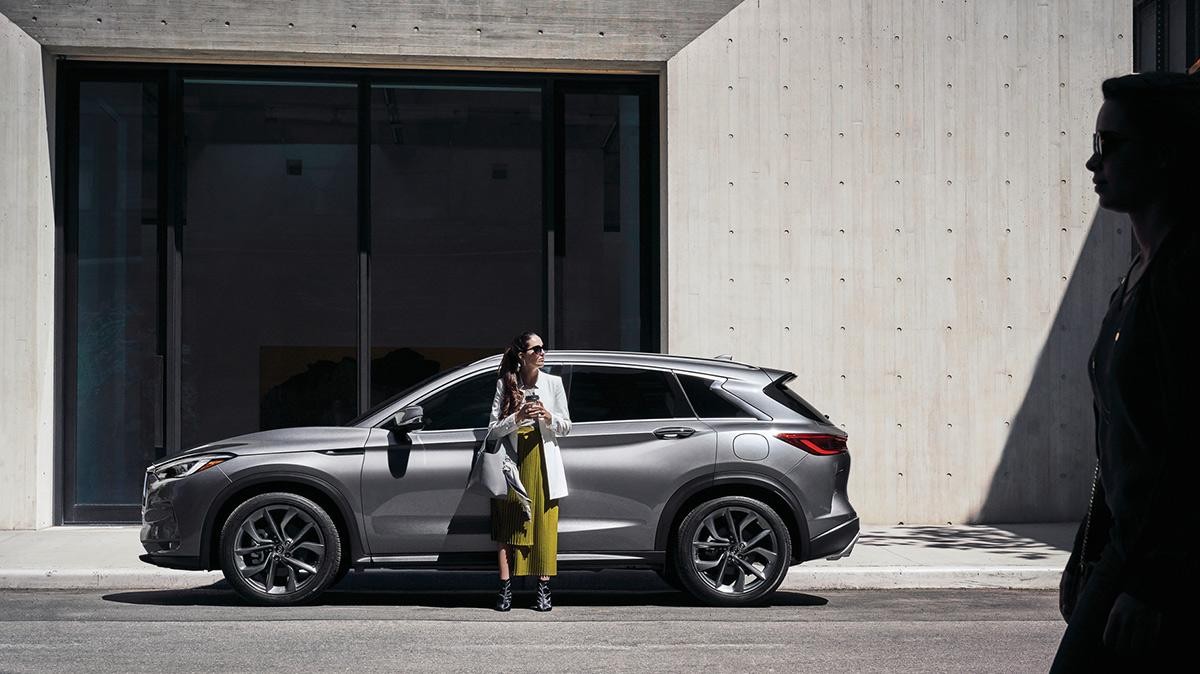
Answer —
(714, 473)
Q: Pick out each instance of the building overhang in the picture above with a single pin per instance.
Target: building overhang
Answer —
(612, 36)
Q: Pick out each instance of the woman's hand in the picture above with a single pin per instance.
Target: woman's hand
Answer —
(539, 411)
(524, 412)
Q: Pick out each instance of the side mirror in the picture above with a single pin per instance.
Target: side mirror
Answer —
(408, 419)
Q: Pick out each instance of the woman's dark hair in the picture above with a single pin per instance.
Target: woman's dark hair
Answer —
(1164, 109)
(510, 365)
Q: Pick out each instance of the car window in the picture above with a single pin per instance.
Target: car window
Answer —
(466, 404)
(780, 392)
(708, 403)
(617, 394)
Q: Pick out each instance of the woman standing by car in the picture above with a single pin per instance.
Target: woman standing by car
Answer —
(1127, 590)
(529, 413)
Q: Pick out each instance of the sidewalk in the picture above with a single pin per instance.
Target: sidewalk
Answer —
(1025, 556)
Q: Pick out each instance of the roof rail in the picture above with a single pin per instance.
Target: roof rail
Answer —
(724, 356)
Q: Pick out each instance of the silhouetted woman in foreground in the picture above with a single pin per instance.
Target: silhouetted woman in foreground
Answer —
(1140, 583)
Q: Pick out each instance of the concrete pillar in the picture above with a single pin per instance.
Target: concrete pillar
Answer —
(27, 276)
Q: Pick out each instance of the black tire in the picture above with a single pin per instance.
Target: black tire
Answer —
(713, 561)
(290, 549)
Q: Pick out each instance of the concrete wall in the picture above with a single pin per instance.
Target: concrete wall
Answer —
(552, 34)
(889, 199)
(26, 284)
(885, 196)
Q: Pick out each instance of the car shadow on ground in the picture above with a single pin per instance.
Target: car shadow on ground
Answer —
(463, 590)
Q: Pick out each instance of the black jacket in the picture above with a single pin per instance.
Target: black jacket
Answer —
(1145, 373)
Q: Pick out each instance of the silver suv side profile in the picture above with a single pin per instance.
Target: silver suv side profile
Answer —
(714, 473)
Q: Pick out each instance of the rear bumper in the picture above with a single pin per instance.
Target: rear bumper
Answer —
(836, 543)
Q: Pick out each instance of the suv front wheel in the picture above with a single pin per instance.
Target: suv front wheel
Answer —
(732, 551)
(280, 549)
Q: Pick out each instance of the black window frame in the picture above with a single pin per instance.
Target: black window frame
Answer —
(169, 78)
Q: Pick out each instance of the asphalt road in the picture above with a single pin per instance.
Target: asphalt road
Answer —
(620, 621)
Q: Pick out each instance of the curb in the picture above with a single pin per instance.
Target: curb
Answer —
(923, 577)
(798, 578)
(107, 579)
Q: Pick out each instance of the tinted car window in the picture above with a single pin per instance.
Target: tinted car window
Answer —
(708, 403)
(617, 393)
(463, 405)
(780, 392)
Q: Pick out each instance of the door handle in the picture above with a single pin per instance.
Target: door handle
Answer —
(674, 432)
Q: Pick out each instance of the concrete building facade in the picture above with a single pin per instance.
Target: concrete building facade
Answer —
(886, 198)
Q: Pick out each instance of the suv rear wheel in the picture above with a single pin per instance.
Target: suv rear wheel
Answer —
(732, 551)
(280, 549)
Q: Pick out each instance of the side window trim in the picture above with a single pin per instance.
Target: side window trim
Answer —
(686, 397)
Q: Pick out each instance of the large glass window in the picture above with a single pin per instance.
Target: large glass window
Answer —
(600, 297)
(250, 248)
(117, 378)
(456, 226)
(270, 257)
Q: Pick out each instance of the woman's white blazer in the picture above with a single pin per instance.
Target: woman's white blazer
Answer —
(553, 397)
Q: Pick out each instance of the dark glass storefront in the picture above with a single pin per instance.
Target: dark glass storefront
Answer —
(249, 249)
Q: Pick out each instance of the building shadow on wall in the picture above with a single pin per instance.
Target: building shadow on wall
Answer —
(1045, 471)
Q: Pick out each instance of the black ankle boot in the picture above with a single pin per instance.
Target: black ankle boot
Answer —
(504, 599)
(542, 601)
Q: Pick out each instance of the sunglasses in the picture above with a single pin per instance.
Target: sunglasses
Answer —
(1107, 140)
(538, 348)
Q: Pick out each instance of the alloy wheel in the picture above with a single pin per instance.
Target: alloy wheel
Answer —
(278, 549)
(734, 550)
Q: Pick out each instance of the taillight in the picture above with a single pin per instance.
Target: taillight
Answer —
(821, 444)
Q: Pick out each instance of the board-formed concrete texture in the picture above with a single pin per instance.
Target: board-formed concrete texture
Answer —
(26, 285)
(884, 196)
(611, 35)
(889, 199)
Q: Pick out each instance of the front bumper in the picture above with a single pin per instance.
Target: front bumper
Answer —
(173, 514)
(173, 562)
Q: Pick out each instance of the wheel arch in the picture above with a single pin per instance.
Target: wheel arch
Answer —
(750, 485)
(315, 489)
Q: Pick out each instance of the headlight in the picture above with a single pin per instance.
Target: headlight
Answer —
(188, 465)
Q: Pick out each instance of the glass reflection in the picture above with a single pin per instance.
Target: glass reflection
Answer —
(456, 226)
(116, 373)
(599, 297)
(270, 264)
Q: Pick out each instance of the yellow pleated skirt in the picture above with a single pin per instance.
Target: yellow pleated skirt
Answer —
(534, 541)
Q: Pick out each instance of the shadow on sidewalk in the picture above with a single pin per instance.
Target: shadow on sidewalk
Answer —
(1023, 541)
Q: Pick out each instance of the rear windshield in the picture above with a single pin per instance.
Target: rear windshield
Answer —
(782, 393)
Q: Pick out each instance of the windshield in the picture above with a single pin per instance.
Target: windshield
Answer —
(392, 400)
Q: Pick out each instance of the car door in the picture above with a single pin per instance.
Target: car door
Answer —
(415, 500)
(414, 485)
(634, 441)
